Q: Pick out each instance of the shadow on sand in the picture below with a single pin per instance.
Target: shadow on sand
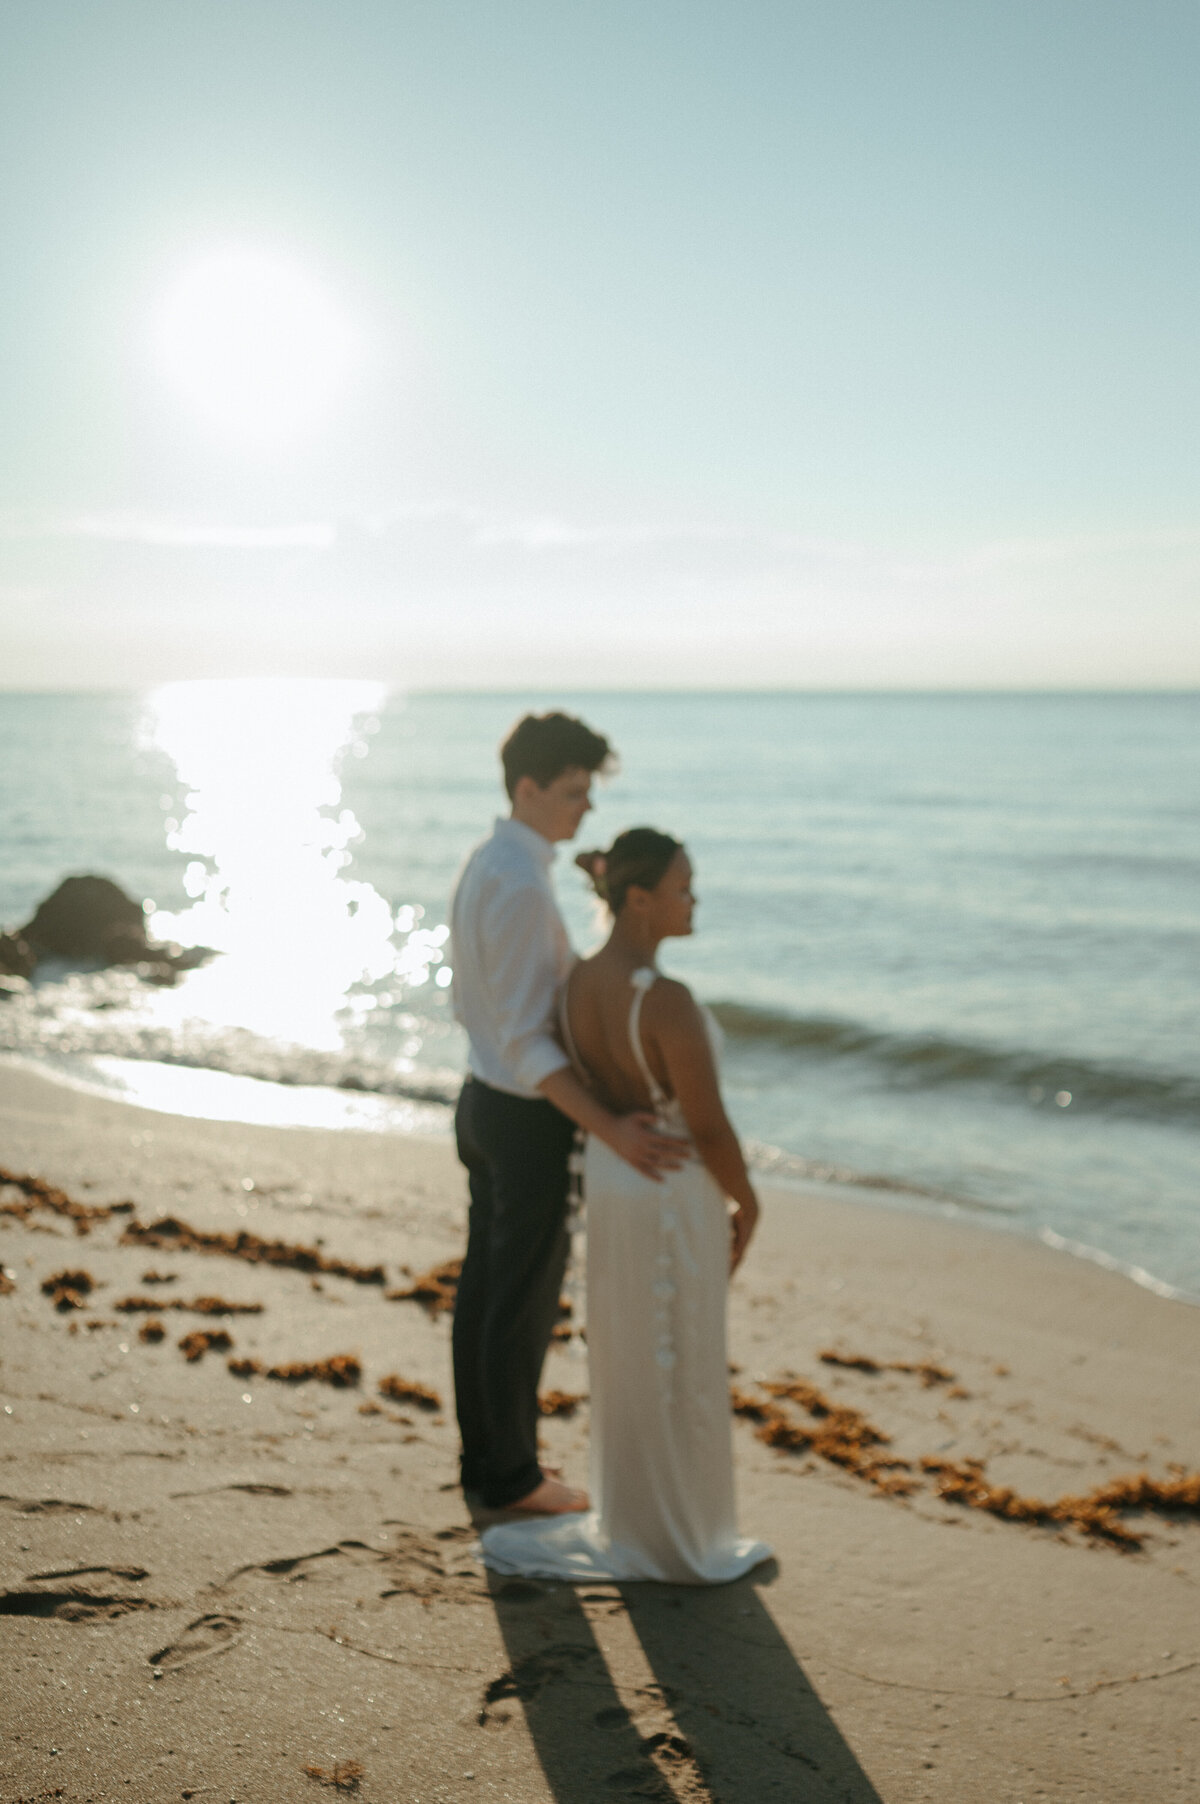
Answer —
(726, 1714)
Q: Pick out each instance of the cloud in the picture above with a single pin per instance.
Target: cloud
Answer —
(453, 522)
(131, 529)
(450, 594)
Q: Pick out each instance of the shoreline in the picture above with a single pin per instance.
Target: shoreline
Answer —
(236, 1582)
(204, 1094)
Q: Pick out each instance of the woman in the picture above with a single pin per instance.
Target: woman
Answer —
(659, 1258)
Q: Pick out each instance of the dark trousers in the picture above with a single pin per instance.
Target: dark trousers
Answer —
(516, 1153)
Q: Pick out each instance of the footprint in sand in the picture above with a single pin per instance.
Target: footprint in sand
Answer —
(527, 1678)
(437, 1565)
(415, 1562)
(207, 1635)
(124, 1572)
(47, 1506)
(251, 1490)
(520, 1591)
(300, 1566)
(671, 1770)
(75, 1605)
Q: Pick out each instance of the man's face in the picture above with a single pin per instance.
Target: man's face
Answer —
(557, 810)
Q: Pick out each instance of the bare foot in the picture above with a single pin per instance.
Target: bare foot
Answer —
(552, 1498)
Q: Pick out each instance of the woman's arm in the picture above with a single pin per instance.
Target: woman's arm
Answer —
(676, 1028)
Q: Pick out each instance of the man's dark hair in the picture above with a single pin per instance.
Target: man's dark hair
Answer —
(543, 746)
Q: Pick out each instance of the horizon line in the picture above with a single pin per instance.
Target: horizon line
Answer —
(542, 690)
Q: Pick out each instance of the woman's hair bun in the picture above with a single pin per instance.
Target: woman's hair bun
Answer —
(594, 865)
(637, 858)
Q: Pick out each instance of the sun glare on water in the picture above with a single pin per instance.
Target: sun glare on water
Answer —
(269, 847)
(323, 985)
(253, 341)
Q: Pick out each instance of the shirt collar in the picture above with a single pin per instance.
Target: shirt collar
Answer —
(519, 834)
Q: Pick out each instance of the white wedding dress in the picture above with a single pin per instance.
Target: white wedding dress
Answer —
(661, 1439)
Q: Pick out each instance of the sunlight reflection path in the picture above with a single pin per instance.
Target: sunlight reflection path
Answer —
(270, 850)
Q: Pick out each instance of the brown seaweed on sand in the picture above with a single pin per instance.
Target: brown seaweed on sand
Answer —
(560, 1403)
(7, 1282)
(564, 1328)
(857, 1362)
(407, 1390)
(743, 1404)
(200, 1341)
(1093, 1513)
(152, 1331)
(69, 1290)
(342, 1370)
(435, 1289)
(1141, 1492)
(343, 1775)
(36, 1193)
(198, 1306)
(845, 1437)
(925, 1369)
(180, 1236)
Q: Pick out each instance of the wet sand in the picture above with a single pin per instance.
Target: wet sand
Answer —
(247, 1574)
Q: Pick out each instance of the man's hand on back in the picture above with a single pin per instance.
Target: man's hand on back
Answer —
(636, 1138)
(640, 1141)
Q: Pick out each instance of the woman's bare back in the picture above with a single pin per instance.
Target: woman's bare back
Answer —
(599, 998)
(598, 1009)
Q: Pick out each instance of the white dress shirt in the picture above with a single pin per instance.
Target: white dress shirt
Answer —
(510, 953)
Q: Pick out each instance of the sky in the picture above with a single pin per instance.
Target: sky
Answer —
(522, 343)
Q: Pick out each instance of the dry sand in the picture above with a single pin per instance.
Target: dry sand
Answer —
(220, 1587)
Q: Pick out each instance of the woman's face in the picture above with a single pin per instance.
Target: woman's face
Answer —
(672, 902)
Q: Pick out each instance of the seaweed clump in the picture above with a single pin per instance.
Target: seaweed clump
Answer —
(1094, 1512)
(152, 1331)
(342, 1370)
(927, 1370)
(435, 1290)
(36, 1193)
(200, 1341)
(343, 1775)
(407, 1390)
(560, 1403)
(7, 1282)
(564, 1327)
(179, 1236)
(69, 1290)
(847, 1439)
(198, 1306)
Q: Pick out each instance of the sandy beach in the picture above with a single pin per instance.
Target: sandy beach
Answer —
(224, 1584)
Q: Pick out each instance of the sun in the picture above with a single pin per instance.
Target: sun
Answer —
(253, 341)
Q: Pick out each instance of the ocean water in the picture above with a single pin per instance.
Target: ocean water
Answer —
(954, 941)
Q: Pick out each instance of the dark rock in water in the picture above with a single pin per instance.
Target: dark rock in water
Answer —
(91, 920)
(17, 957)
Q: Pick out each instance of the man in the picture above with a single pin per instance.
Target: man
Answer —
(517, 1113)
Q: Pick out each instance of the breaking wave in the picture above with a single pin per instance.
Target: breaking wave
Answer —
(930, 1061)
